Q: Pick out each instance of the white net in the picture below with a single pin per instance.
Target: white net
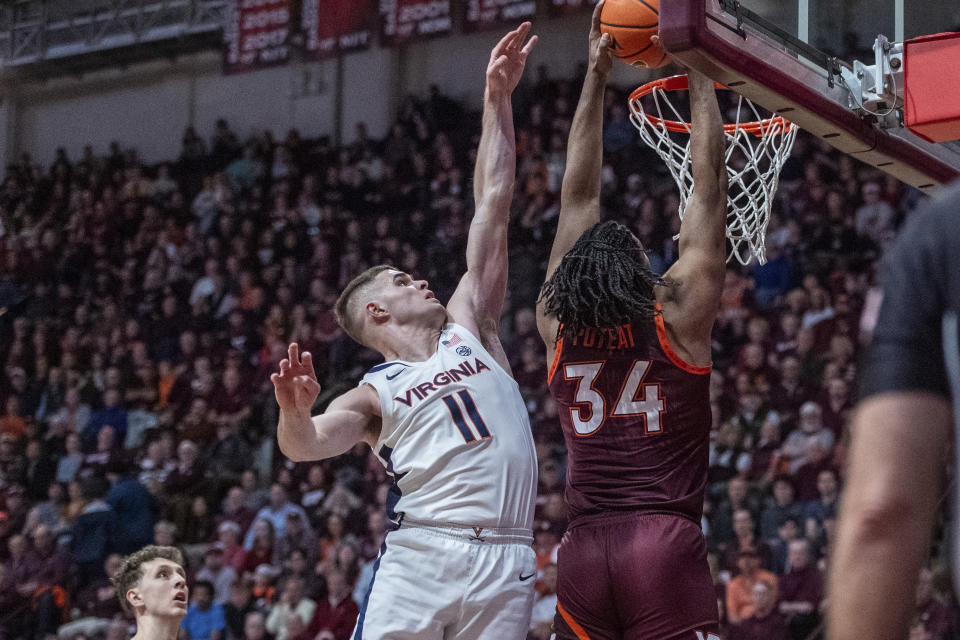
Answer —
(756, 149)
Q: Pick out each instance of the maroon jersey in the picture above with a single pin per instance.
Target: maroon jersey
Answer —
(636, 420)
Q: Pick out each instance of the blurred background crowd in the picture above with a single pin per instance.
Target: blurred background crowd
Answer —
(144, 308)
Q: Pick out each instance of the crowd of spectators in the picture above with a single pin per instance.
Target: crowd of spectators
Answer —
(144, 308)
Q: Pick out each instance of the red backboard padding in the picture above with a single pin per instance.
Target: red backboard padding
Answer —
(932, 92)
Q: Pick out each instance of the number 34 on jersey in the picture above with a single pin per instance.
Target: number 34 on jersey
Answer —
(636, 399)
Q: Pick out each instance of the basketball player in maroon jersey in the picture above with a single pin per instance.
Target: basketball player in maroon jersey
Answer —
(630, 375)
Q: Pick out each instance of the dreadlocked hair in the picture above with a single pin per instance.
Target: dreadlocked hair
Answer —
(603, 281)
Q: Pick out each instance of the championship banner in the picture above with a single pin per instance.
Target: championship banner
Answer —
(336, 26)
(564, 7)
(487, 14)
(403, 21)
(255, 34)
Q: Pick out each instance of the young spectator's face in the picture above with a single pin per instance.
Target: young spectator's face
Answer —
(550, 578)
(254, 627)
(213, 560)
(737, 490)
(783, 492)
(202, 596)
(788, 530)
(827, 483)
(742, 523)
(162, 591)
(297, 562)
(278, 496)
(240, 594)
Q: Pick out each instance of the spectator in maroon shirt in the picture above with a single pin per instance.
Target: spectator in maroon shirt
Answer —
(766, 623)
(228, 536)
(335, 615)
(790, 392)
(801, 590)
(745, 537)
(196, 424)
(836, 404)
(231, 403)
(235, 509)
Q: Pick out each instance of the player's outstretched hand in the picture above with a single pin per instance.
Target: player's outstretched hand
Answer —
(508, 59)
(601, 57)
(296, 385)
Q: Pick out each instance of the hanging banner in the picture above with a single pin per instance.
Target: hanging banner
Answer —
(336, 26)
(564, 7)
(403, 21)
(256, 35)
(488, 14)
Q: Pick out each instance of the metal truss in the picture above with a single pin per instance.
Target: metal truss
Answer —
(33, 31)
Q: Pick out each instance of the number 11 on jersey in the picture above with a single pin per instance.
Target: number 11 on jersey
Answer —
(592, 412)
(458, 418)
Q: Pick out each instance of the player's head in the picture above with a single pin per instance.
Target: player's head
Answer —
(384, 295)
(152, 582)
(604, 281)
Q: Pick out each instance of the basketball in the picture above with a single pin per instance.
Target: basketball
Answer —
(630, 24)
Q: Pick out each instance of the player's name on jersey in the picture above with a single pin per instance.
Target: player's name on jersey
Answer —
(614, 339)
(442, 379)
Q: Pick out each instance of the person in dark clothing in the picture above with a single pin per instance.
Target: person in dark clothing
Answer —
(900, 430)
(801, 590)
(135, 508)
(93, 535)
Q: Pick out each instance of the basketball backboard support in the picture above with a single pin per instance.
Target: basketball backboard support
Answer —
(786, 57)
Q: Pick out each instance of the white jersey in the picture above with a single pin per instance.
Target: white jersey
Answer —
(455, 438)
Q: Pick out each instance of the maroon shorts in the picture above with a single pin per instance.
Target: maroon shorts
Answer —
(634, 576)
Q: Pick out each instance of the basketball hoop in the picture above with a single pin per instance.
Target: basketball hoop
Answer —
(762, 146)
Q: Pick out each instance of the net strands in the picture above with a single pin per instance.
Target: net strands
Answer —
(755, 153)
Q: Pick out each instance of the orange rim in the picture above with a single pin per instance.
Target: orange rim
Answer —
(777, 124)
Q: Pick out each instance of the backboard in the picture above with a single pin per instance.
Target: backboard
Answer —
(786, 55)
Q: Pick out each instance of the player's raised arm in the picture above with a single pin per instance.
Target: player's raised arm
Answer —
(349, 419)
(699, 270)
(580, 193)
(478, 300)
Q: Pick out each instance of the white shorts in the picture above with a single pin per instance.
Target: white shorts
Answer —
(444, 583)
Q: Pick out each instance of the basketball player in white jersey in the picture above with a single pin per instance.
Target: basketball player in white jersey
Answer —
(443, 415)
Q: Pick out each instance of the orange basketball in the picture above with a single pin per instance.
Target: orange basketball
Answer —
(630, 24)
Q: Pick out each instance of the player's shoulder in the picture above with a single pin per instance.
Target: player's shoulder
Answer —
(935, 221)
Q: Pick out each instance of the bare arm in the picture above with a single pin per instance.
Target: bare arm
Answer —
(690, 306)
(887, 513)
(478, 300)
(580, 192)
(351, 418)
